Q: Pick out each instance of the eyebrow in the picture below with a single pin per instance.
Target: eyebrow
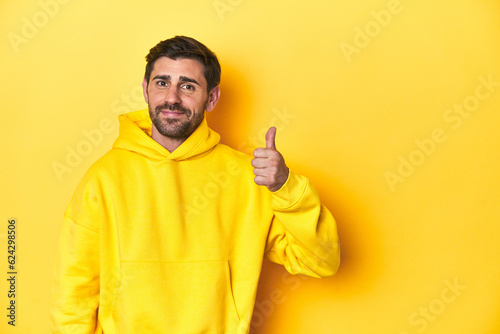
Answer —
(182, 78)
(162, 77)
(186, 79)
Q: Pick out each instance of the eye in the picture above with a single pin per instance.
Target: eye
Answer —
(161, 83)
(188, 87)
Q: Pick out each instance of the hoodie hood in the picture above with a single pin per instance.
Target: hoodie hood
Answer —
(135, 136)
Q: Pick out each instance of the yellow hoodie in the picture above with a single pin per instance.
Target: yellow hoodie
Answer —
(158, 242)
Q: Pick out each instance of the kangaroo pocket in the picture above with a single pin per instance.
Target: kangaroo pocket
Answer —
(175, 297)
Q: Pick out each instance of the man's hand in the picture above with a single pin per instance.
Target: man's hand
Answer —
(269, 166)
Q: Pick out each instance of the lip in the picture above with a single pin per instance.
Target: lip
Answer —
(171, 113)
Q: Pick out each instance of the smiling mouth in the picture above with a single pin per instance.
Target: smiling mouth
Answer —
(171, 112)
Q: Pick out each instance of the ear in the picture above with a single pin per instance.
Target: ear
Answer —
(145, 90)
(213, 97)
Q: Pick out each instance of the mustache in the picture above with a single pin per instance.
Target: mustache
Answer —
(171, 107)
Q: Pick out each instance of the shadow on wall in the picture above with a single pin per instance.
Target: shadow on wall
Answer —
(279, 291)
(228, 118)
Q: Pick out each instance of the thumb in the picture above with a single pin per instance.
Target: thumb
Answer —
(270, 138)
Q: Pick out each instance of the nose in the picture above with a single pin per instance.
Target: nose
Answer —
(172, 95)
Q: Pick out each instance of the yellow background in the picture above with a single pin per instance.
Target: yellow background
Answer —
(345, 120)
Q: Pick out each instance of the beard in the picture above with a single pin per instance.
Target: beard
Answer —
(178, 127)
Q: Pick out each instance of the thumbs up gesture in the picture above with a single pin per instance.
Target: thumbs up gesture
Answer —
(269, 166)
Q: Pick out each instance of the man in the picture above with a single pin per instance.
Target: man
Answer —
(166, 233)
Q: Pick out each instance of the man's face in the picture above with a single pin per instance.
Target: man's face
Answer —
(177, 97)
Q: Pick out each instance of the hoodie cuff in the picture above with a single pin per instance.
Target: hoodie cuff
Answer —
(290, 192)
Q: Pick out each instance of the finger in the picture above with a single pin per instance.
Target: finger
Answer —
(261, 152)
(259, 163)
(261, 180)
(260, 172)
(270, 138)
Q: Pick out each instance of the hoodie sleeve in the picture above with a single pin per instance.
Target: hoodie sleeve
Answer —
(75, 283)
(303, 234)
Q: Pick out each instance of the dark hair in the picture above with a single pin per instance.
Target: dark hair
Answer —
(180, 47)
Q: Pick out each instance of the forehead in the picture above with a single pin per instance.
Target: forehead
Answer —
(179, 67)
